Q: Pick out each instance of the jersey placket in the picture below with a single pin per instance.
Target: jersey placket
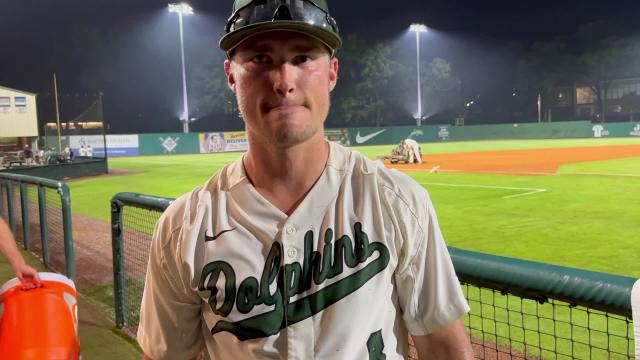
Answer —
(299, 335)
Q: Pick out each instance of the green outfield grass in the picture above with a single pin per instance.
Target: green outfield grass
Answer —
(584, 221)
(582, 218)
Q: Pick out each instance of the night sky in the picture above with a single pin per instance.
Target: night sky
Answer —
(129, 50)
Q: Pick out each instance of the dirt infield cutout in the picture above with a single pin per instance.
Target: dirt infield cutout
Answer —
(518, 162)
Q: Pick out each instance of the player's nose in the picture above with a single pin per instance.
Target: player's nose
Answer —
(284, 79)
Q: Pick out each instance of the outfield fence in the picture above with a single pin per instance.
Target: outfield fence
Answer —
(38, 211)
(519, 309)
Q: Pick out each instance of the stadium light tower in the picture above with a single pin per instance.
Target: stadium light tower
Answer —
(418, 28)
(183, 9)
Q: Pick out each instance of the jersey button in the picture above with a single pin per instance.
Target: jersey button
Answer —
(292, 252)
(290, 230)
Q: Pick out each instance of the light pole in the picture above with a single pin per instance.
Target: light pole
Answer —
(183, 9)
(418, 28)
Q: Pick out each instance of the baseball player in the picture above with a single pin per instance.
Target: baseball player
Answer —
(302, 248)
(412, 151)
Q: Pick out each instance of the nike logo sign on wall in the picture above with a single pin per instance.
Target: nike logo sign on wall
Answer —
(209, 238)
(364, 139)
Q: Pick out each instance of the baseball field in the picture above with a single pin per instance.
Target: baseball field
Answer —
(566, 202)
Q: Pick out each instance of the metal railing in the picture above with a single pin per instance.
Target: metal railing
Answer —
(519, 309)
(529, 310)
(40, 209)
(133, 218)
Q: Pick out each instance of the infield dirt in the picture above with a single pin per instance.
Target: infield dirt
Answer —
(518, 162)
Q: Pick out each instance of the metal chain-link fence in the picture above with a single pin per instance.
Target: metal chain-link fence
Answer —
(39, 214)
(138, 229)
(512, 327)
(133, 218)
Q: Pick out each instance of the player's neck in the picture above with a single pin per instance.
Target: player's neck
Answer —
(285, 176)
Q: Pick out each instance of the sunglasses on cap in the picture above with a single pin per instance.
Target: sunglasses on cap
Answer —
(261, 11)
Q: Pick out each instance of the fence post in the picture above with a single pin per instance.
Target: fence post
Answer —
(10, 209)
(44, 231)
(24, 206)
(65, 200)
(118, 271)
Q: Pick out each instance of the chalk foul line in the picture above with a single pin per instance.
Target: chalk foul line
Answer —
(527, 191)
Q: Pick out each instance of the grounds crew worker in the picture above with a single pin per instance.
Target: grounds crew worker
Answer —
(301, 249)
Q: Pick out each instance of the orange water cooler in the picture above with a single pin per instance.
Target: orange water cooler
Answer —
(39, 323)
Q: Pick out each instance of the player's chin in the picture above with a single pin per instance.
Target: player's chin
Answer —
(285, 137)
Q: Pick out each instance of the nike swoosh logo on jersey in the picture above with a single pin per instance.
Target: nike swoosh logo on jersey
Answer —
(364, 139)
(211, 238)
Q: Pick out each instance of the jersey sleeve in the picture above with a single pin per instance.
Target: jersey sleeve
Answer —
(428, 289)
(170, 314)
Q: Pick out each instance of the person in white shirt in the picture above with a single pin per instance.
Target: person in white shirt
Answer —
(412, 151)
(300, 249)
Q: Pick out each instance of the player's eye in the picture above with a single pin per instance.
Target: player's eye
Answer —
(301, 59)
(259, 59)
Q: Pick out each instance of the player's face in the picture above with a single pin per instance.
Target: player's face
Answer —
(282, 82)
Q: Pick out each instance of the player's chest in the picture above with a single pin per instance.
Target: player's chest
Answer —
(290, 271)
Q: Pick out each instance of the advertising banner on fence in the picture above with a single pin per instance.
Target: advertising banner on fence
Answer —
(395, 134)
(235, 141)
(122, 145)
(169, 143)
(117, 145)
(341, 136)
(211, 142)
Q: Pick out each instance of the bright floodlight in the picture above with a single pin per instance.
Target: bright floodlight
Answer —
(181, 8)
(418, 28)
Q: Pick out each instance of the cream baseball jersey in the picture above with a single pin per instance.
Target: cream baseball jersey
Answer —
(357, 265)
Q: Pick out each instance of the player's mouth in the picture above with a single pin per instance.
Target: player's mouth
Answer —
(285, 106)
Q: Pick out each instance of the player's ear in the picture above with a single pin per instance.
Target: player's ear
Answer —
(231, 81)
(334, 64)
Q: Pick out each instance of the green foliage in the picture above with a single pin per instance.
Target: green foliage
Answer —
(594, 56)
(441, 89)
(374, 86)
(211, 82)
(370, 98)
(630, 103)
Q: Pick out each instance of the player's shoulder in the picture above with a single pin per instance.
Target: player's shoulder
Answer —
(181, 210)
(397, 185)
(172, 219)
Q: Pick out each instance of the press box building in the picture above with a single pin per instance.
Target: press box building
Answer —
(18, 114)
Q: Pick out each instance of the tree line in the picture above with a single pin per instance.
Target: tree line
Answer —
(491, 83)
